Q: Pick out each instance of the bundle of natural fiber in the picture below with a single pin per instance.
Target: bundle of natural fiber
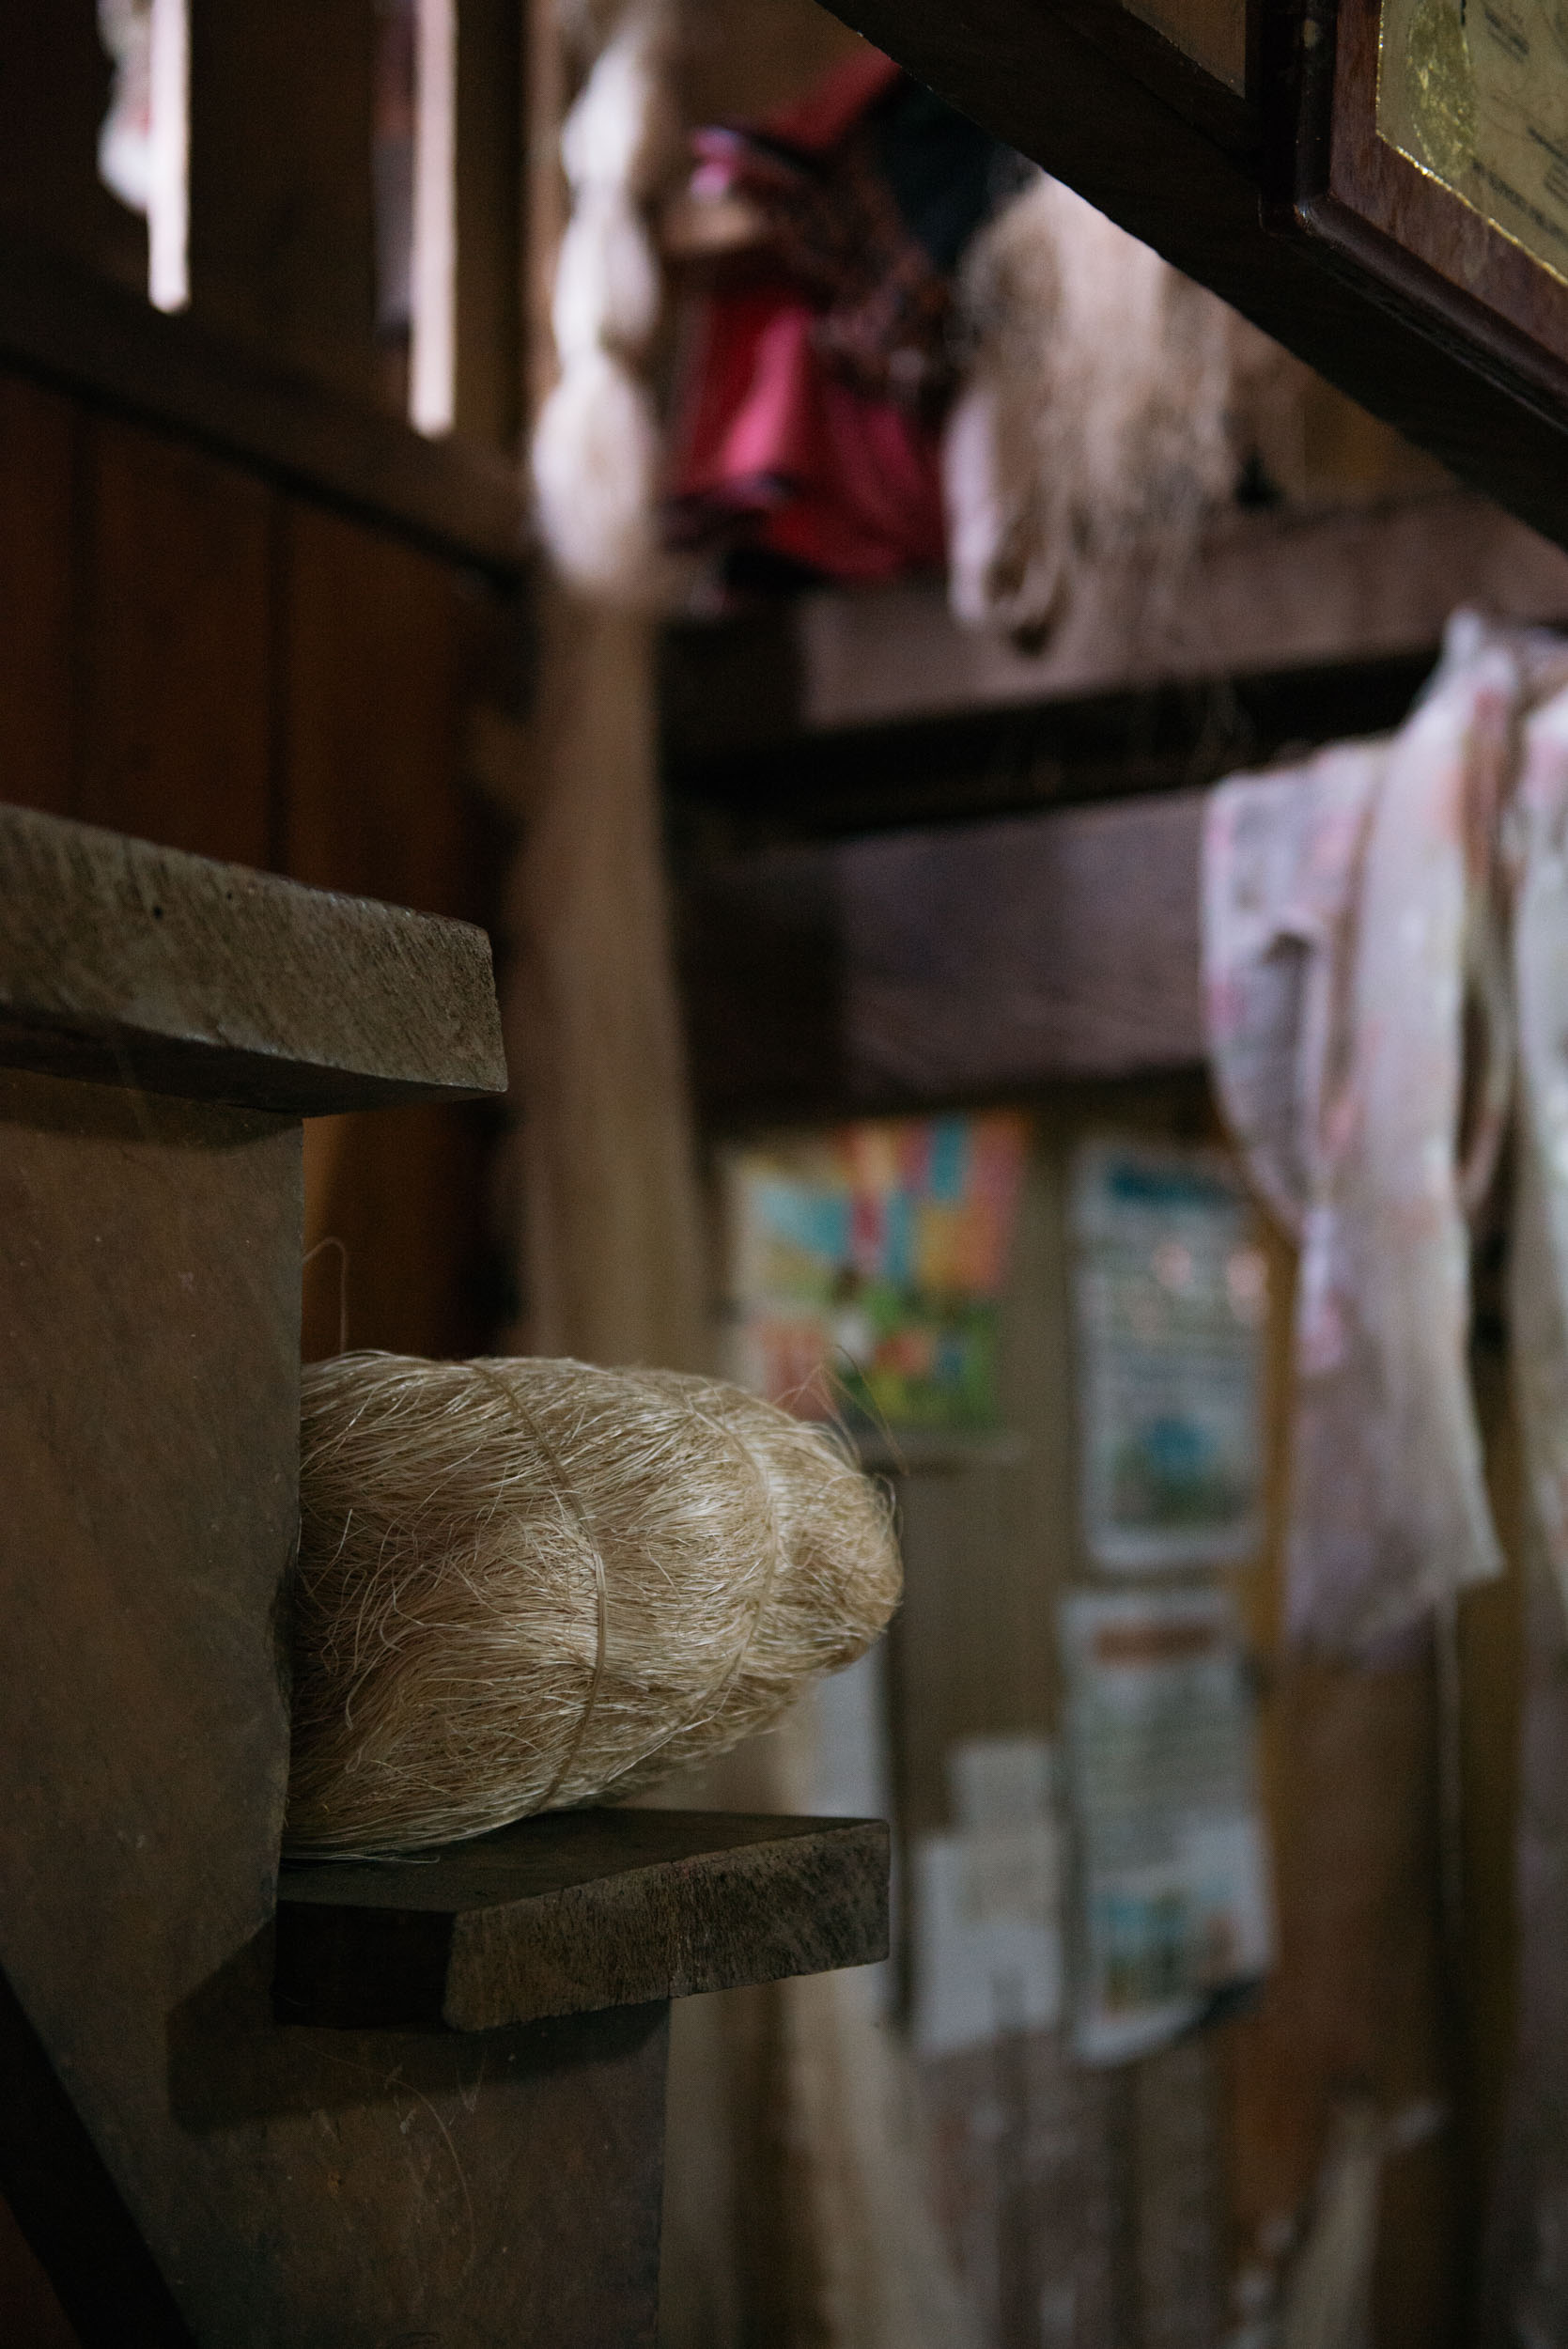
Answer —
(528, 1584)
(1109, 407)
(598, 451)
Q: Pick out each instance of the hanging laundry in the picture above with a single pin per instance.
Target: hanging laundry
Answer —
(807, 427)
(1354, 949)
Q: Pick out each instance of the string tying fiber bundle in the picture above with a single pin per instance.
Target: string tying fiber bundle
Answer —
(527, 1585)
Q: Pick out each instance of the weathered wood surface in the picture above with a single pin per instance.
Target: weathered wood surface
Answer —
(578, 1911)
(144, 967)
(149, 1290)
(329, 2189)
(946, 965)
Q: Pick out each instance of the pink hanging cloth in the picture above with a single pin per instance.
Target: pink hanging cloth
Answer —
(1352, 912)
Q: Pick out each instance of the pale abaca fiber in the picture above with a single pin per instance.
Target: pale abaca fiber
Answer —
(596, 451)
(528, 1584)
(1105, 408)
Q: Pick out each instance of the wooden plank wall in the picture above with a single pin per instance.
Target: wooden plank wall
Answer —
(188, 654)
(281, 227)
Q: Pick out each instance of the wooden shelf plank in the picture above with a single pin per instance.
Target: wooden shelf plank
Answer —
(61, 321)
(141, 966)
(575, 1912)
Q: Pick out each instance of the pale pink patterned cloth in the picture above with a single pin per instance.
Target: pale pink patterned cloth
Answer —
(1355, 916)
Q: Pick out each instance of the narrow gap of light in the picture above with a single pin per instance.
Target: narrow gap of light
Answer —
(433, 344)
(168, 203)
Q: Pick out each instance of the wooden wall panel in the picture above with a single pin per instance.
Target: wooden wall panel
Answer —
(945, 964)
(176, 646)
(490, 220)
(53, 89)
(282, 230)
(1362, 2001)
(39, 433)
(379, 642)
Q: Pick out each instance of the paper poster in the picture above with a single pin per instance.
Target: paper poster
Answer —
(1170, 1295)
(866, 1265)
(1173, 1907)
(987, 1929)
(1477, 97)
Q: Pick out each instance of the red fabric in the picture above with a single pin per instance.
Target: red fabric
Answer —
(832, 106)
(821, 473)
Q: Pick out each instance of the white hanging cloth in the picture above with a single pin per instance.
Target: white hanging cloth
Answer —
(1358, 992)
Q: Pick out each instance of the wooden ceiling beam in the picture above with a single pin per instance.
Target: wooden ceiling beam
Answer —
(928, 967)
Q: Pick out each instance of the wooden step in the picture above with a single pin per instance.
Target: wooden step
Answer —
(143, 967)
(576, 1912)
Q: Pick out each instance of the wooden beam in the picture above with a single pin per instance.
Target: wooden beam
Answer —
(1264, 592)
(945, 965)
(1263, 595)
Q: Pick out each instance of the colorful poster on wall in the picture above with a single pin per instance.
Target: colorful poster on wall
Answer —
(868, 1265)
(1171, 1294)
(1174, 1910)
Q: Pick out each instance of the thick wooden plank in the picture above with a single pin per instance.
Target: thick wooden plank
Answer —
(1264, 592)
(39, 434)
(576, 1912)
(61, 323)
(1169, 151)
(176, 646)
(150, 968)
(147, 1271)
(944, 965)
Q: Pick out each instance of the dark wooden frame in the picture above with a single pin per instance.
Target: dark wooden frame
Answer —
(1379, 213)
(1233, 191)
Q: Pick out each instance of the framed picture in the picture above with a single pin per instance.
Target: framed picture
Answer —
(1432, 153)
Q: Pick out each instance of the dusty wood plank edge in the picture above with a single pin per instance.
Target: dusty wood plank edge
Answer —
(146, 967)
(810, 1901)
(85, 334)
